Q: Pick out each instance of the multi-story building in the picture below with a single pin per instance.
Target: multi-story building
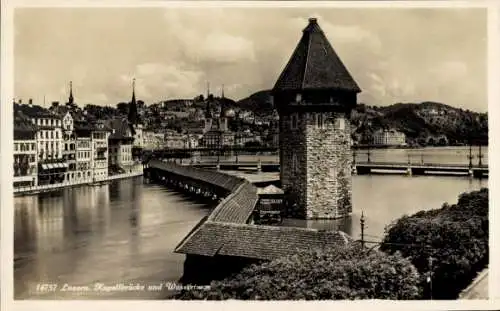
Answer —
(153, 140)
(389, 138)
(49, 142)
(83, 152)
(120, 145)
(25, 157)
(69, 152)
(100, 135)
(174, 140)
(216, 131)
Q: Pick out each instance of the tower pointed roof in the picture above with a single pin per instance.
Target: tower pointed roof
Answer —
(315, 65)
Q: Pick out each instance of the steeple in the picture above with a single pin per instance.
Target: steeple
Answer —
(132, 110)
(222, 92)
(70, 99)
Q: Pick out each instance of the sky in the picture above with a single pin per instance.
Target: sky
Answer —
(395, 55)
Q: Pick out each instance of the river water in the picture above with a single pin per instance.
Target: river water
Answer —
(125, 232)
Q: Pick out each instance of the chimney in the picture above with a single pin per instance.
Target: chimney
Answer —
(20, 102)
(30, 102)
(313, 20)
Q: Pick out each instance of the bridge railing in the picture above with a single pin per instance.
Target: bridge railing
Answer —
(424, 164)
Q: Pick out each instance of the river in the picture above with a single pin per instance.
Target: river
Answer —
(125, 232)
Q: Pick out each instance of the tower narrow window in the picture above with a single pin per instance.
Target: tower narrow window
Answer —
(294, 163)
(294, 121)
(319, 120)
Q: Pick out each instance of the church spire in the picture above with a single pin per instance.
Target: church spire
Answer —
(70, 99)
(132, 110)
(133, 91)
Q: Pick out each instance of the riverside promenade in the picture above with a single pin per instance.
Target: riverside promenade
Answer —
(20, 191)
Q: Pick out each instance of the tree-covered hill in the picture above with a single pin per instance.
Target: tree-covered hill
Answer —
(420, 122)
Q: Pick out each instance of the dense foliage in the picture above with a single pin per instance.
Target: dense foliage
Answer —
(340, 273)
(454, 238)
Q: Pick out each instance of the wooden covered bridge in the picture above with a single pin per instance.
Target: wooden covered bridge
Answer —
(227, 239)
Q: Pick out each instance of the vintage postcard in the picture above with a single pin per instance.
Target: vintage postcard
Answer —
(249, 151)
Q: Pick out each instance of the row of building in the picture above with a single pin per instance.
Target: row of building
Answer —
(61, 145)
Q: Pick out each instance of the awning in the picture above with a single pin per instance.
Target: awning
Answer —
(44, 166)
(64, 165)
(50, 166)
(57, 165)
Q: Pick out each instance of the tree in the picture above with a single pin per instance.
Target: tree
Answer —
(339, 273)
(455, 237)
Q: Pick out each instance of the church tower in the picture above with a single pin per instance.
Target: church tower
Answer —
(314, 96)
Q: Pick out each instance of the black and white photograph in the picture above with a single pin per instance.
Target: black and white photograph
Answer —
(274, 151)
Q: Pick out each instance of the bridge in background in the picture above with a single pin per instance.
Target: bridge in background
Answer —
(360, 168)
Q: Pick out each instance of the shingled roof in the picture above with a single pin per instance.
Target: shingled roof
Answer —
(257, 241)
(226, 231)
(315, 65)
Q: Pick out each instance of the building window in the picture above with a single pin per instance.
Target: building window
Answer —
(294, 121)
(298, 98)
(57, 135)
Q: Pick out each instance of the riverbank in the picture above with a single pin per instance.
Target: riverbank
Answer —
(22, 191)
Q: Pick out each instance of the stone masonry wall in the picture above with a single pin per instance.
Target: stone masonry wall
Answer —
(328, 168)
(321, 185)
(293, 182)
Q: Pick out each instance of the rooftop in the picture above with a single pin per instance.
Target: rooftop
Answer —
(314, 65)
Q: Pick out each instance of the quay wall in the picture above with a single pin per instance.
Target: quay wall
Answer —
(19, 191)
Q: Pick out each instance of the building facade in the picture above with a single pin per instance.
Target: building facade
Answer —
(120, 146)
(25, 155)
(49, 142)
(83, 153)
(314, 96)
(69, 152)
(389, 138)
(100, 135)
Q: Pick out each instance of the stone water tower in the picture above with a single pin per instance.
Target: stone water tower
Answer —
(314, 96)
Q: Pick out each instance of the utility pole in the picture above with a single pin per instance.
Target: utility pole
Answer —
(368, 155)
(362, 221)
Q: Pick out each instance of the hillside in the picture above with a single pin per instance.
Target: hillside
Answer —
(259, 102)
(419, 121)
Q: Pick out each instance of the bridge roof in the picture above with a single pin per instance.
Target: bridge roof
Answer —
(257, 241)
(315, 65)
(212, 177)
(226, 232)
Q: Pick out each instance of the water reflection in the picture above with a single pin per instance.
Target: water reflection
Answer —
(119, 232)
(127, 230)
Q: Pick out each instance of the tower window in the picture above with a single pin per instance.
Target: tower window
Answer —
(341, 123)
(294, 121)
(294, 163)
(319, 120)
